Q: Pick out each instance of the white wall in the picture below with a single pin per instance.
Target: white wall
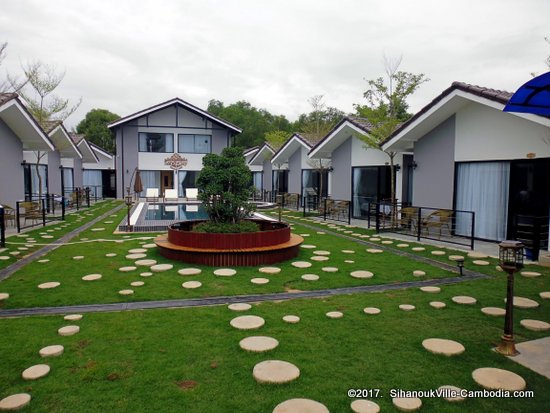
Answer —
(67, 162)
(366, 157)
(151, 161)
(484, 133)
(30, 157)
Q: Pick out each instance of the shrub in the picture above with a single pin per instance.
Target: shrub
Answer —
(226, 227)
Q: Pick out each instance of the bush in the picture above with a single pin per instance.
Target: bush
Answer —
(226, 227)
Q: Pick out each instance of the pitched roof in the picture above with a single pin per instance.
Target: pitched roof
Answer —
(76, 137)
(6, 97)
(50, 125)
(357, 122)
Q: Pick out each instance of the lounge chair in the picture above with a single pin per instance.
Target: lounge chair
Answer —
(438, 219)
(152, 195)
(170, 195)
(191, 194)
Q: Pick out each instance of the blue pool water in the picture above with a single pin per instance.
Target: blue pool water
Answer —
(175, 212)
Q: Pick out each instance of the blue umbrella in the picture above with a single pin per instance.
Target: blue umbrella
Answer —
(532, 97)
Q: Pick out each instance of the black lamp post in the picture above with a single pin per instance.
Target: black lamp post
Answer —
(460, 264)
(511, 260)
(128, 200)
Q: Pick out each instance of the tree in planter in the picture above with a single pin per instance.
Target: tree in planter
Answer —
(225, 185)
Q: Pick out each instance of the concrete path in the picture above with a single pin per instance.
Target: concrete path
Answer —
(535, 355)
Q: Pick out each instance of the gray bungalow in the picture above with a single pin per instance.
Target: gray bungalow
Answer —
(167, 142)
(265, 178)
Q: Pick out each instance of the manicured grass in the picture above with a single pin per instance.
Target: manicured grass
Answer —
(189, 359)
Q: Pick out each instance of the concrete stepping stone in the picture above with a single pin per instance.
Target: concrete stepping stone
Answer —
(321, 232)
(402, 245)
(456, 257)
(225, 272)
(135, 256)
(43, 261)
(301, 264)
(73, 317)
(447, 388)
(161, 267)
(308, 246)
(330, 269)
(247, 322)
(275, 372)
(406, 404)
(304, 235)
(258, 344)
(530, 274)
(418, 249)
(348, 251)
(310, 277)
(189, 271)
(494, 379)
(387, 242)
(47, 236)
(438, 253)
(438, 304)
(92, 277)
(291, 319)
(349, 261)
(371, 310)
(334, 314)
(98, 229)
(49, 285)
(374, 250)
(348, 232)
(4, 296)
(375, 239)
(191, 284)
(535, 325)
(110, 255)
(477, 255)
(419, 273)
(146, 274)
(78, 257)
(319, 258)
(259, 281)
(522, 302)
(406, 307)
(4, 258)
(126, 292)
(51, 351)
(430, 289)
(127, 269)
(239, 307)
(22, 248)
(300, 406)
(545, 295)
(494, 311)
(137, 283)
(364, 406)
(16, 401)
(270, 270)
(145, 263)
(15, 253)
(137, 251)
(443, 346)
(361, 274)
(482, 263)
(149, 246)
(321, 252)
(68, 330)
(464, 299)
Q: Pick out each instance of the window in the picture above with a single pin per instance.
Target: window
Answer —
(156, 142)
(194, 143)
(370, 184)
(186, 179)
(35, 185)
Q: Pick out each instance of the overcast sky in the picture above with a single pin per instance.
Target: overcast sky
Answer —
(127, 55)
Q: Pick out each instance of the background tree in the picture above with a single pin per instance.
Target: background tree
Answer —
(320, 120)
(276, 138)
(387, 107)
(94, 128)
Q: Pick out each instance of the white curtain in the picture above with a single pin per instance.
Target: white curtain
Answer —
(356, 185)
(257, 180)
(93, 180)
(34, 180)
(181, 180)
(150, 179)
(483, 187)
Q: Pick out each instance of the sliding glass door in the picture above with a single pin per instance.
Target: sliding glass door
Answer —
(370, 184)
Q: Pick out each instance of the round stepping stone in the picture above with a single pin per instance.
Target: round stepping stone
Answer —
(189, 271)
(127, 269)
(374, 250)
(308, 246)
(402, 245)
(321, 252)
(275, 372)
(16, 401)
(348, 251)
(22, 248)
(375, 239)
(191, 284)
(14, 253)
(126, 292)
(225, 272)
(258, 344)
(145, 274)
(259, 281)
(329, 269)
(92, 277)
(478, 255)
(438, 253)
(522, 302)
(438, 304)
(145, 263)
(418, 249)
(137, 283)
(291, 319)
(247, 322)
(110, 255)
(494, 311)
(443, 346)
(364, 406)
(149, 246)
(319, 258)
(304, 235)
(481, 262)
(239, 307)
(135, 256)
(68, 330)
(531, 274)
(419, 273)
(361, 274)
(371, 310)
(457, 398)
(321, 232)
(4, 296)
(73, 317)
(78, 257)
(335, 314)
(301, 264)
(4, 258)
(535, 325)
(137, 251)
(51, 351)
(270, 270)
(161, 267)
(456, 257)
(43, 261)
(47, 236)
(494, 379)
(464, 299)
(431, 290)
(349, 261)
(387, 242)
(49, 285)
(310, 277)
(545, 295)
(98, 229)
(406, 307)
(407, 404)
(300, 406)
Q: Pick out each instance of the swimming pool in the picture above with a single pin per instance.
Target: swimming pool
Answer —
(174, 212)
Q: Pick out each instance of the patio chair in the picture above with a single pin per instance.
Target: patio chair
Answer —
(170, 195)
(438, 219)
(152, 195)
(408, 218)
(9, 215)
(191, 194)
(32, 211)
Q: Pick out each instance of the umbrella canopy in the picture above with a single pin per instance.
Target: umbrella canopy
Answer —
(532, 97)
(138, 185)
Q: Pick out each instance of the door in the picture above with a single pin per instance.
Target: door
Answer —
(166, 181)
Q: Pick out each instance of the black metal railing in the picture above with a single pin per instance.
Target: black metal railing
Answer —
(2, 227)
(533, 232)
(39, 211)
(327, 208)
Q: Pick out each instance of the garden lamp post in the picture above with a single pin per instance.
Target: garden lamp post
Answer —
(128, 200)
(460, 264)
(511, 260)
